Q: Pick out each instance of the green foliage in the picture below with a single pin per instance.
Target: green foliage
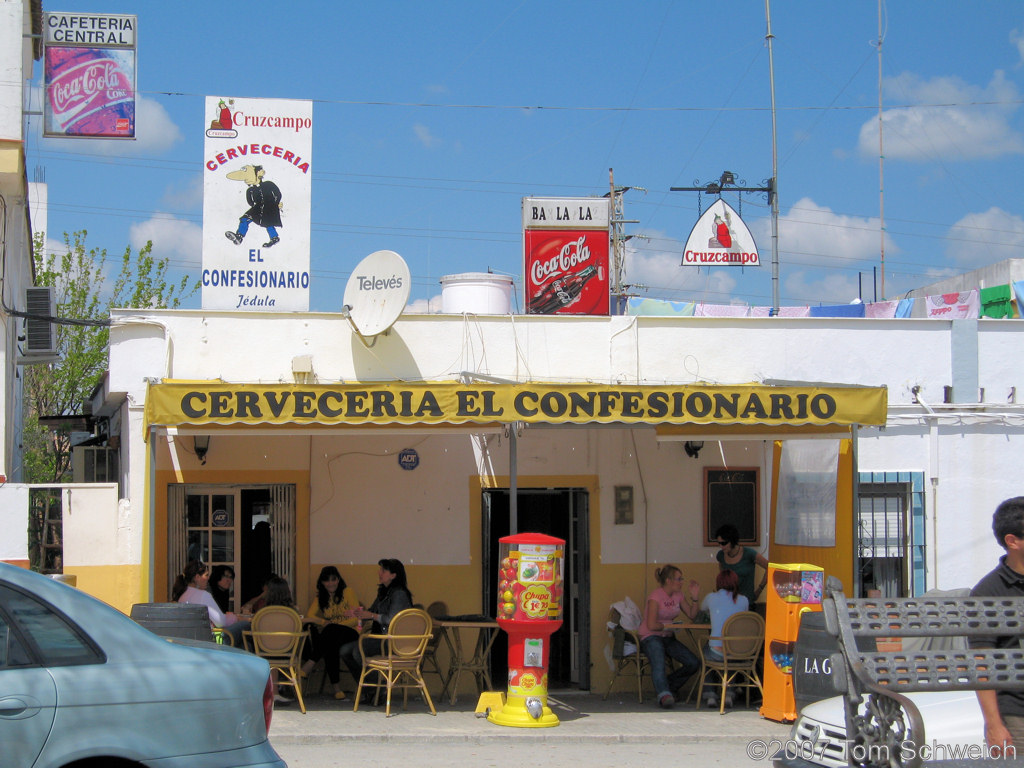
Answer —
(84, 295)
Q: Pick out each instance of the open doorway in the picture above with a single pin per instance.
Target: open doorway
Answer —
(561, 512)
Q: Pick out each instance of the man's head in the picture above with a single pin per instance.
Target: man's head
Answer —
(1008, 520)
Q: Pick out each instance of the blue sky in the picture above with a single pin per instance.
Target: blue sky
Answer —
(433, 120)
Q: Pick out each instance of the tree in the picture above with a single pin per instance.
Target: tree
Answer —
(79, 277)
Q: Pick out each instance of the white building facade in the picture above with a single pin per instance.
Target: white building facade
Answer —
(630, 437)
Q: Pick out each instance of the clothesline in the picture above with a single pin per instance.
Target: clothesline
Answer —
(995, 302)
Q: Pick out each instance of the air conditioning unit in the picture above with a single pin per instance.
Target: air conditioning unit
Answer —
(40, 344)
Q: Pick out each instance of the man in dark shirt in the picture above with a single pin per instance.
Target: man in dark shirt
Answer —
(1004, 713)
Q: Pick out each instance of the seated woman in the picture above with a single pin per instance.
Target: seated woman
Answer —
(393, 595)
(722, 604)
(221, 580)
(191, 587)
(665, 604)
(332, 625)
(277, 592)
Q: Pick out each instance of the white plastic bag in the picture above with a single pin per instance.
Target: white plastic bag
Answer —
(629, 615)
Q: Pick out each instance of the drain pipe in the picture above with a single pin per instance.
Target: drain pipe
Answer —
(933, 479)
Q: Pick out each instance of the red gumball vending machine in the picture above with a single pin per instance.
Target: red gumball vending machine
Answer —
(530, 611)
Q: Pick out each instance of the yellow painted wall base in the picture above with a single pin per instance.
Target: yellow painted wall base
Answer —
(117, 585)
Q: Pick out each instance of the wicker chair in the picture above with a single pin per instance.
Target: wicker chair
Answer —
(631, 664)
(399, 665)
(742, 640)
(278, 636)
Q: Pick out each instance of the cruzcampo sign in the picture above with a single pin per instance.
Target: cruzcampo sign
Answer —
(362, 404)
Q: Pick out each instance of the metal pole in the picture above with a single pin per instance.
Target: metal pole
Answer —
(881, 154)
(513, 484)
(775, 168)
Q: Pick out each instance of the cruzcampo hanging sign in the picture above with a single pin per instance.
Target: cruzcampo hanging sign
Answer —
(720, 239)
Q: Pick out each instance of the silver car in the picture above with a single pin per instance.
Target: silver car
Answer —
(80, 681)
(952, 725)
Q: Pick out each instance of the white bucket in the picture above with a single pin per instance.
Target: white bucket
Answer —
(476, 293)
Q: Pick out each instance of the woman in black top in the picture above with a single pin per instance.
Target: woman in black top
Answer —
(221, 580)
(393, 595)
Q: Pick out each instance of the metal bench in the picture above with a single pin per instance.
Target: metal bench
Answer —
(889, 730)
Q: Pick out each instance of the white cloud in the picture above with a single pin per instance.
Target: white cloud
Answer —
(968, 125)
(155, 133)
(985, 238)
(819, 288)
(1017, 38)
(425, 137)
(811, 234)
(429, 306)
(179, 241)
(187, 196)
(657, 272)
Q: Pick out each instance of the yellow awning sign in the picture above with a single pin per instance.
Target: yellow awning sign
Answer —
(173, 403)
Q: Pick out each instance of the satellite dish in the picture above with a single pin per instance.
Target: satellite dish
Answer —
(377, 292)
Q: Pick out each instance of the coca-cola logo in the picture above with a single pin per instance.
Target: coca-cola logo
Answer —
(570, 254)
(92, 84)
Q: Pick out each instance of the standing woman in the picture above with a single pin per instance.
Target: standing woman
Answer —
(331, 625)
(743, 560)
(393, 595)
(191, 587)
(664, 605)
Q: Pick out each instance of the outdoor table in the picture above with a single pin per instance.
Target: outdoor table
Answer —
(479, 662)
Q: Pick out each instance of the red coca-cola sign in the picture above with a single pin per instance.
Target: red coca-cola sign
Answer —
(90, 92)
(567, 272)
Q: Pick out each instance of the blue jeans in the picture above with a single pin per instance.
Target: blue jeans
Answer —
(656, 648)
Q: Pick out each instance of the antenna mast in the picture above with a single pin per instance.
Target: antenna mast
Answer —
(881, 154)
(774, 193)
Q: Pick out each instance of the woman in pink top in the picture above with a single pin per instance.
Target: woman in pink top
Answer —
(663, 606)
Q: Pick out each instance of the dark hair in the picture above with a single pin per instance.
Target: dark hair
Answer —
(1008, 519)
(729, 533)
(221, 596)
(193, 568)
(323, 597)
(728, 580)
(664, 573)
(392, 565)
(278, 592)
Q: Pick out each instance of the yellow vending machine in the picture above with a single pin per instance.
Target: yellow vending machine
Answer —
(792, 589)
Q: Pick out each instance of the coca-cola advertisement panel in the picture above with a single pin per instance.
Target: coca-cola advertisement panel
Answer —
(566, 272)
(90, 76)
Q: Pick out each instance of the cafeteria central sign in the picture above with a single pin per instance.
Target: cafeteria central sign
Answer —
(439, 403)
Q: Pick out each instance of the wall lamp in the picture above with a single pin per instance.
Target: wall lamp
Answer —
(201, 444)
(692, 447)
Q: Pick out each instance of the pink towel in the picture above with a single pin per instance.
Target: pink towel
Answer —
(721, 310)
(881, 309)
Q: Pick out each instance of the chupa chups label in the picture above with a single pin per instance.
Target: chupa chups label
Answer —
(528, 682)
(527, 588)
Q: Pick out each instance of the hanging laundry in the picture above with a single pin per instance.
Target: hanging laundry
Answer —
(721, 310)
(839, 310)
(905, 308)
(954, 306)
(996, 301)
(881, 309)
(659, 307)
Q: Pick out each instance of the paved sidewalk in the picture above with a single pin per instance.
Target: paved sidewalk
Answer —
(585, 718)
